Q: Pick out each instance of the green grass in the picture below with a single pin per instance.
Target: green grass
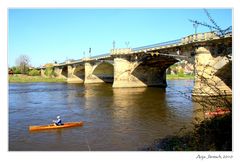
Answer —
(18, 78)
(27, 79)
(178, 76)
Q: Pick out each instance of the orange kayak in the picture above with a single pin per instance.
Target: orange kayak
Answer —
(218, 112)
(52, 126)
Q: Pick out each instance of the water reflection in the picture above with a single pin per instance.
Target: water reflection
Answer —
(126, 101)
(115, 118)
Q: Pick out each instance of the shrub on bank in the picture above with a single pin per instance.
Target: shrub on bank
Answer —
(181, 73)
(49, 71)
(34, 72)
(213, 134)
(16, 70)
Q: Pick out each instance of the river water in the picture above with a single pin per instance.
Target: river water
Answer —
(115, 119)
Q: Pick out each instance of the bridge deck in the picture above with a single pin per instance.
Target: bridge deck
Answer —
(200, 37)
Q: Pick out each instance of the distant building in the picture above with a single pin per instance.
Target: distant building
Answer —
(180, 67)
(10, 71)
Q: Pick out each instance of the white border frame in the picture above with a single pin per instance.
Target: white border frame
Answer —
(114, 156)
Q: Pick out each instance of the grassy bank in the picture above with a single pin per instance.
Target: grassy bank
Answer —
(179, 76)
(18, 78)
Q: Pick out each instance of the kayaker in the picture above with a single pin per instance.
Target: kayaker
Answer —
(58, 121)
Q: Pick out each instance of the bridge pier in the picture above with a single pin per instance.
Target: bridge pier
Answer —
(89, 76)
(207, 82)
(43, 73)
(75, 75)
(58, 72)
(130, 73)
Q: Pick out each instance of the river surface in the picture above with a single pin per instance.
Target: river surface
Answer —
(115, 119)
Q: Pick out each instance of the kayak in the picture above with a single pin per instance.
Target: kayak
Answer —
(218, 112)
(52, 126)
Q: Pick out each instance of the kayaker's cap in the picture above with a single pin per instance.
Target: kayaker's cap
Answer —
(58, 117)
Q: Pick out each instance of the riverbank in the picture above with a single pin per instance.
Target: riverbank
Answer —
(19, 78)
(179, 76)
(214, 134)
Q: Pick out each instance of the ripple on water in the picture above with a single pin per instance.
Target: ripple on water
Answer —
(115, 119)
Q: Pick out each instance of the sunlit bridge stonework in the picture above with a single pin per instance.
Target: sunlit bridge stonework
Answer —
(146, 66)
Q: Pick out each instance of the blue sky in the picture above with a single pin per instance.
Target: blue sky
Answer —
(48, 35)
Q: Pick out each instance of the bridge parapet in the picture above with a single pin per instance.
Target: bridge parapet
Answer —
(199, 37)
(120, 51)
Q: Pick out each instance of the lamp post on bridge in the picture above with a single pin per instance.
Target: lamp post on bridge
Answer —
(84, 54)
(195, 27)
(127, 43)
(90, 50)
(114, 43)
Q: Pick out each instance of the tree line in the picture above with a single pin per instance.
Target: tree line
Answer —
(23, 67)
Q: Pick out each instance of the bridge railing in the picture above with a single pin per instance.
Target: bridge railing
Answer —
(98, 56)
(177, 41)
(120, 51)
(74, 61)
(60, 64)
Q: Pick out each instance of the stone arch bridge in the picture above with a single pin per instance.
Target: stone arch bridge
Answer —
(146, 66)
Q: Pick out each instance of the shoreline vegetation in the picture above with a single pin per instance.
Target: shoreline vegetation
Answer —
(214, 134)
(179, 76)
(20, 78)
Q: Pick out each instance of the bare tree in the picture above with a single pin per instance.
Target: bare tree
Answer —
(23, 63)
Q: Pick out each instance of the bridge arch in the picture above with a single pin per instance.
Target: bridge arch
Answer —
(104, 71)
(152, 72)
(65, 71)
(79, 71)
(141, 71)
